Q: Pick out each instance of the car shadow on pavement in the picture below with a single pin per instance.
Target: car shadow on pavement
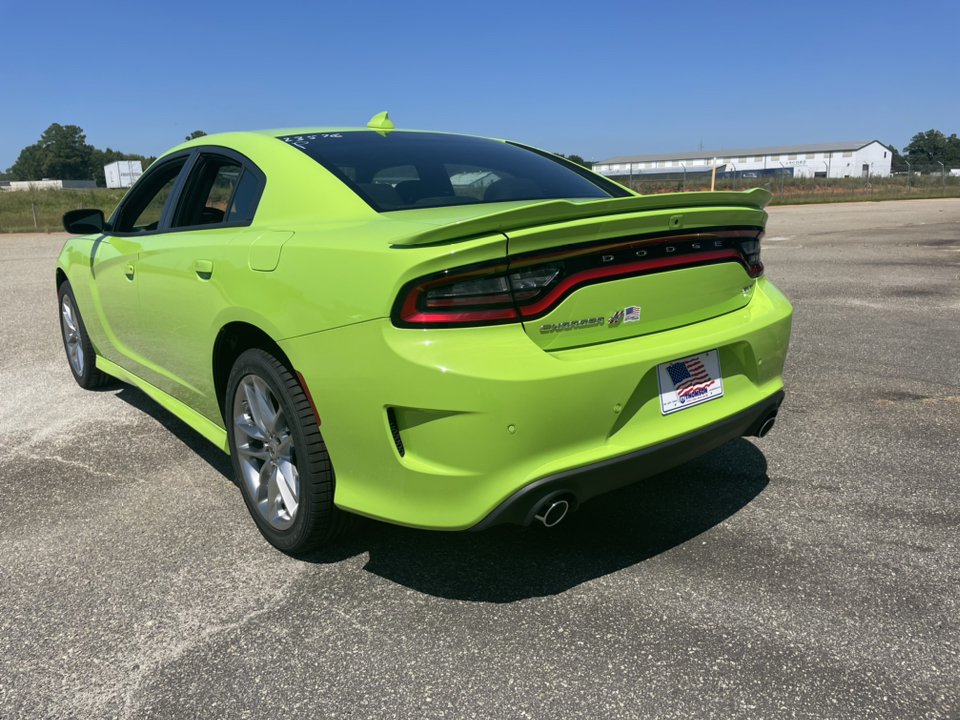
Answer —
(213, 456)
(508, 563)
(607, 534)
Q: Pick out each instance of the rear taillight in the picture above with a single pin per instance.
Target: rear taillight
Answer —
(750, 249)
(473, 295)
(529, 286)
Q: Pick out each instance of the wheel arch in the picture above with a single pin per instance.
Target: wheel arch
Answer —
(234, 339)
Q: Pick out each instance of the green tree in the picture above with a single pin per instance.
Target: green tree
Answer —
(195, 134)
(30, 164)
(61, 153)
(953, 152)
(897, 163)
(66, 153)
(927, 147)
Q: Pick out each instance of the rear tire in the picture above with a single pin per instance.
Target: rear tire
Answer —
(279, 457)
(81, 357)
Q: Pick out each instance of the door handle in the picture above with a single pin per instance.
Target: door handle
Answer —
(128, 271)
(204, 268)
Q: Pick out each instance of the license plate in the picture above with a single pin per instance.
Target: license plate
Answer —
(689, 381)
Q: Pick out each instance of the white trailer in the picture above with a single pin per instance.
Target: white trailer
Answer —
(122, 173)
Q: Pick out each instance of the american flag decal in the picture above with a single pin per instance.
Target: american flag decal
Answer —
(631, 314)
(689, 376)
(691, 381)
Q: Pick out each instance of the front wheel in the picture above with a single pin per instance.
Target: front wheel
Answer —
(279, 457)
(80, 354)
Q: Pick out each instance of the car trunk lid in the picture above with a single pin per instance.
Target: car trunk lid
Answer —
(590, 272)
(636, 273)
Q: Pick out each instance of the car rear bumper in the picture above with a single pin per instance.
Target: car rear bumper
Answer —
(583, 483)
(483, 413)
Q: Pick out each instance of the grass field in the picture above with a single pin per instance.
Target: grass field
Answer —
(42, 210)
(17, 207)
(798, 191)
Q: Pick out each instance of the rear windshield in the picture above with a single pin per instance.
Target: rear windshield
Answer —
(402, 170)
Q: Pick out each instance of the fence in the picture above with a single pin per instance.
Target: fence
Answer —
(42, 210)
(921, 182)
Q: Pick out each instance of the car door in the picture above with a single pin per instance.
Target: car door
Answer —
(115, 257)
(185, 272)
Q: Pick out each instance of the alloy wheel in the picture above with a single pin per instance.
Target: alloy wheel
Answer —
(72, 336)
(266, 451)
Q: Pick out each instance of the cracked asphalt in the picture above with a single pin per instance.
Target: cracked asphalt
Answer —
(811, 574)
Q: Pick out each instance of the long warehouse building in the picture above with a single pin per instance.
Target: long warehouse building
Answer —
(835, 160)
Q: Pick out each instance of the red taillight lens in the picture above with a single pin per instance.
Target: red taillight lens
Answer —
(529, 286)
(479, 295)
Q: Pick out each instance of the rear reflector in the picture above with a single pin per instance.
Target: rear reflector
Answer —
(395, 431)
(306, 391)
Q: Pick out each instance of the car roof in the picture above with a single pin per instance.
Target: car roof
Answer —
(285, 132)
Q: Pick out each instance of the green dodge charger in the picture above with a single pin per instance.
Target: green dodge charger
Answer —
(435, 330)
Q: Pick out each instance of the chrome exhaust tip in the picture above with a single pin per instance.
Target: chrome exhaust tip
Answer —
(552, 512)
(766, 426)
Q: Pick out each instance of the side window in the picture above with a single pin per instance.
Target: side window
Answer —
(142, 211)
(207, 194)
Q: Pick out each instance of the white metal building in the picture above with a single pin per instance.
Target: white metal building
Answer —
(122, 173)
(47, 184)
(835, 160)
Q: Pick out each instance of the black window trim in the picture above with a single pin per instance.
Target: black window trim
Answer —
(193, 157)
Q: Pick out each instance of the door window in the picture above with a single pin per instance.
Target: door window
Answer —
(207, 194)
(142, 211)
(219, 190)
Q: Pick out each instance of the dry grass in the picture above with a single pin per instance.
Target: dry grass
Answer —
(17, 207)
(797, 191)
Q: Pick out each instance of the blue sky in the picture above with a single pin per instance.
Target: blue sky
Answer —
(598, 79)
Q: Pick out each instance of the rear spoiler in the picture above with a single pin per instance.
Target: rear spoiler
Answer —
(554, 211)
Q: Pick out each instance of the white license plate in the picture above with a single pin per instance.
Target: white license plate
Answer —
(689, 381)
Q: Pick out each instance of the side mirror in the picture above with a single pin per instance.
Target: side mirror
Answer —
(84, 222)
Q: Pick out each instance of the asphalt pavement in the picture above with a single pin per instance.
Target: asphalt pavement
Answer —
(810, 574)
